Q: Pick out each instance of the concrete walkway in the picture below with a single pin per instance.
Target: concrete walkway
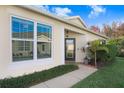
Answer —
(67, 80)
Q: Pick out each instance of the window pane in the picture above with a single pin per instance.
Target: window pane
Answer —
(44, 32)
(20, 51)
(27, 46)
(43, 50)
(22, 29)
(21, 46)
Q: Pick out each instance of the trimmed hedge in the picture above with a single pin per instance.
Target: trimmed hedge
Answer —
(36, 77)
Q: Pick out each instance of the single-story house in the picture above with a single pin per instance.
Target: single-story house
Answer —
(33, 40)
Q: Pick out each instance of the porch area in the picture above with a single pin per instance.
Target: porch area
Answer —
(74, 43)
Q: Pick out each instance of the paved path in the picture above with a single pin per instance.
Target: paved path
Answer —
(67, 80)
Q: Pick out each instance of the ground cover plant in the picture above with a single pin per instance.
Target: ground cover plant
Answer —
(36, 77)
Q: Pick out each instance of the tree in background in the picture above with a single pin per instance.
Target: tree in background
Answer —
(95, 28)
(107, 30)
(121, 29)
(115, 30)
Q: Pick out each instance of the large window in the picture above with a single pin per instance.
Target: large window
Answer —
(44, 36)
(24, 44)
(22, 39)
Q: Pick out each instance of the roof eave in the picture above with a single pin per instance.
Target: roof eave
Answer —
(60, 19)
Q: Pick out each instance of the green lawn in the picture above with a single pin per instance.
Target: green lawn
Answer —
(111, 76)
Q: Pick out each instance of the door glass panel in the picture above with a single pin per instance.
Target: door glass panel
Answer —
(69, 48)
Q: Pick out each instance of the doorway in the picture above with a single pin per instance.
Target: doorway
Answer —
(70, 49)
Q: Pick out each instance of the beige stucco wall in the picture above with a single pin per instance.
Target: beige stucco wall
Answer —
(9, 68)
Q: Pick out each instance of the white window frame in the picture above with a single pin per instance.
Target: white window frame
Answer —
(17, 39)
(34, 40)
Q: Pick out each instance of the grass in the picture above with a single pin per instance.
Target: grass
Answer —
(36, 77)
(111, 76)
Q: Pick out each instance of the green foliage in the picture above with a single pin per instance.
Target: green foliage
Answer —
(94, 45)
(37, 77)
(119, 42)
(122, 43)
(102, 56)
(108, 53)
(104, 52)
(100, 49)
(112, 52)
(114, 41)
(121, 48)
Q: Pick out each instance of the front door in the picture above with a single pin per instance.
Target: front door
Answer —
(70, 49)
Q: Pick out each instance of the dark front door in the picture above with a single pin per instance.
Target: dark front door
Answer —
(70, 49)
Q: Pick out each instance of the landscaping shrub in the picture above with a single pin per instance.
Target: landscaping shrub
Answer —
(109, 56)
(119, 42)
(114, 41)
(37, 77)
(96, 48)
(112, 52)
(121, 48)
(121, 54)
(105, 52)
(101, 56)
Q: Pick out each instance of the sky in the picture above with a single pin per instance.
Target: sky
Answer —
(96, 15)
